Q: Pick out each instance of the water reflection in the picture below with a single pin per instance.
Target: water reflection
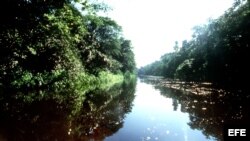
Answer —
(209, 113)
(93, 117)
(120, 113)
(156, 117)
(104, 112)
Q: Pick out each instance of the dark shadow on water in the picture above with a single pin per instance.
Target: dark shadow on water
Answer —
(209, 113)
(98, 114)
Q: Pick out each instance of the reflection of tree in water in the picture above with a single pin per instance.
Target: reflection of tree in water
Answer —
(210, 113)
(41, 120)
(175, 104)
(100, 115)
(104, 112)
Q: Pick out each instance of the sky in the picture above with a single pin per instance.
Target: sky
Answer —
(153, 26)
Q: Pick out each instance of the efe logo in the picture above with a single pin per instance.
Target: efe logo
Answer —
(236, 132)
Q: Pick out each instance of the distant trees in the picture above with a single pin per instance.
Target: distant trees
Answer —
(42, 42)
(218, 52)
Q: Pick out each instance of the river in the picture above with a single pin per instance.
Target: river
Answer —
(156, 117)
(133, 111)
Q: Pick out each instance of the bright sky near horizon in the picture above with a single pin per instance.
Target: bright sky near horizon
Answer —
(153, 26)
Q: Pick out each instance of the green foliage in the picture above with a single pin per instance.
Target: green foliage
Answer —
(105, 46)
(218, 52)
(53, 44)
(184, 70)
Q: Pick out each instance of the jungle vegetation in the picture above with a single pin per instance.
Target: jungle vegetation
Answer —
(218, 52)
(60, 44)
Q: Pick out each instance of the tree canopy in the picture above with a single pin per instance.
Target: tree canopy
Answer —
(218, 52)
(42, 42)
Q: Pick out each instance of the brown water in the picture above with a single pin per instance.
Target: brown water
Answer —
(125, 112)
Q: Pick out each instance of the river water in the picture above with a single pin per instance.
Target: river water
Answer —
(156, 117)
(133, 111)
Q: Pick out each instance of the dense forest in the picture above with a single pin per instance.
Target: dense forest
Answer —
(62, 67)
(60, 43)
(68, 73)
(218, 52)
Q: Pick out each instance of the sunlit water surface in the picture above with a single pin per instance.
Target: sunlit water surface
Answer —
(157, 118)
(131, 111)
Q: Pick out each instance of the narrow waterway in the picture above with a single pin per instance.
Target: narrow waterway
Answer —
(156, 117)
(138, 110)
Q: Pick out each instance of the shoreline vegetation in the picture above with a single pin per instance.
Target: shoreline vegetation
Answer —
(57, 52)
(62, 91)
(218, 52)
(65, 115)
(56, 45)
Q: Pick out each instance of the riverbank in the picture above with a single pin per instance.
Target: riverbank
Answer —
(196, 88)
